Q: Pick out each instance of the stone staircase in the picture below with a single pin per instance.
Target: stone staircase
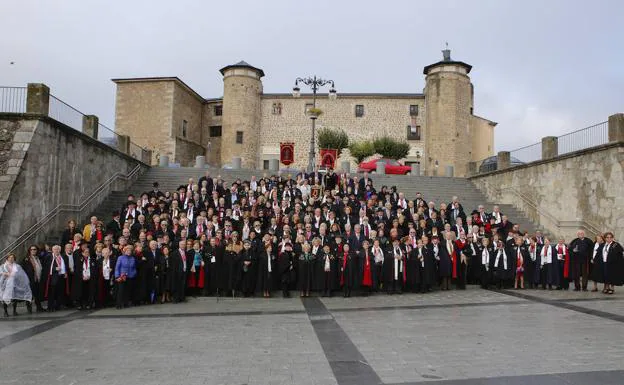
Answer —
(437, 189)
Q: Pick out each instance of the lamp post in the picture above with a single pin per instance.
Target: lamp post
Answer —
(314, 83)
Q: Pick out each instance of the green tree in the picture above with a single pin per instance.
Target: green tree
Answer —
(391, 148)
(361, 150)
(333, 138)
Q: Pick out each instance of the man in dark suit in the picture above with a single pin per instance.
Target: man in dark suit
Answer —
(180, 266)
(209, 183)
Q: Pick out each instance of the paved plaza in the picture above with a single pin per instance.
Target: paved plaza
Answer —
(454, 337)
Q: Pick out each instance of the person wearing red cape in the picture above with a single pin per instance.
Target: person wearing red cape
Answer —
(367, 263)
(462, 252)
(563, 263)
(347, 261)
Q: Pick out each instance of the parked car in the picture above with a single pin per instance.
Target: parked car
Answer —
(392, 167)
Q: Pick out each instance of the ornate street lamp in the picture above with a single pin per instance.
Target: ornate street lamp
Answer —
(314, 83)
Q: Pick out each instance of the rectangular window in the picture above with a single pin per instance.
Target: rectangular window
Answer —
(239, 137)
(215, 131)
(308, 106)
(414, 110)
(413, 132)
(265, 164)
(184, 124)
(359, 110)
(218, 110)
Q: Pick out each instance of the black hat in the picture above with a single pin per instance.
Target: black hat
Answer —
(116, 213)
(155, 184)
(474, 212)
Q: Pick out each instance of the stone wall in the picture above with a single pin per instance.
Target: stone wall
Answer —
(187, 107)
(583, 189)
(186, 151)
(482, 132)
(144, 111)
(53, 171)
(383, 115)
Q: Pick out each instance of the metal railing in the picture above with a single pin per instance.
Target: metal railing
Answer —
(108, 136)
(64, 113)
(587, 137)
(13, 99)
(84, 208)
(527, 154)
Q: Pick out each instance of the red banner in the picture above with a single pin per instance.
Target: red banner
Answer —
(328, 157)
(287, 153)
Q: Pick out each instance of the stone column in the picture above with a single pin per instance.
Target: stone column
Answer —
(503, 160)
(200, 161)
(550, 147)
(616, 128)
(123, 144)
(38, 99)
(164, 161)
(449, 171)
(472, 168)
(416, 169)
(90, 125)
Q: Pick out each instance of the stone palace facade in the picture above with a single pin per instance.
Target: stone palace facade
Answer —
(167, 116)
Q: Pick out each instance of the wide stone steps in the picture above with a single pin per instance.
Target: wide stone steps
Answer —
(437, 189)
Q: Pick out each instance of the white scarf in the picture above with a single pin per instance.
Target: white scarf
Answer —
(485, 258)
(501, 252)
(561, 256)
(605, 252)
(398, 263)
(268, 261)
(106, 270)
(546, 255)
(86, 271)
(378, 254)
(420, 257)
(435, 252)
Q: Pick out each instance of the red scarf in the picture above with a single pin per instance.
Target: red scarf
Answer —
(344, 266)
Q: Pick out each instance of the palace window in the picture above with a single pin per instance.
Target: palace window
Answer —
(359, 110)
(215, 131)
(277, 108)
(413, 132)
(184, 124)
(265, 164)
(414, 110)
(308, 106)
(239, 137)
(218, 110)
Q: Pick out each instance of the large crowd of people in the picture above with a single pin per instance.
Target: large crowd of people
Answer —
(326, 234)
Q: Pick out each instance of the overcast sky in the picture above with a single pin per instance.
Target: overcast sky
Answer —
(539, 67)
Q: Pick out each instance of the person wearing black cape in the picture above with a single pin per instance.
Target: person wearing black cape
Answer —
(179, 267)
(232, 264)
(414, 267)
(163, 274)
(393, 268)
(329, 277)
(85, 280)
(428, 265)
(612, 254)
(445, 261)
(305, 271)
(33, 267)
(248, 266)
(266, 268)
(285, 266)
(502, 270)
(348, 266)
(213, 258)
(378, 257)
(152, 256)
(486, 256)
(597, 269)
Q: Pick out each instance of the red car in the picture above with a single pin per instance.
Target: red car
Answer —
(392, 167)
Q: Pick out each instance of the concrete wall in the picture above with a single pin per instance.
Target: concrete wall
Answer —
(54, 165)
(583, 189)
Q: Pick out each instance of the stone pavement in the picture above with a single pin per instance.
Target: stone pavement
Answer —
(453, 338)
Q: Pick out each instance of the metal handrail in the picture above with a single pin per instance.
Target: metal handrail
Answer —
(541, 211)
(66, 207)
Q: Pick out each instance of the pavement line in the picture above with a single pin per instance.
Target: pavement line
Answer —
(348, 364)
(563, 305)
(604, 377)
(197, 314)
(41, 328)
(425, 306)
